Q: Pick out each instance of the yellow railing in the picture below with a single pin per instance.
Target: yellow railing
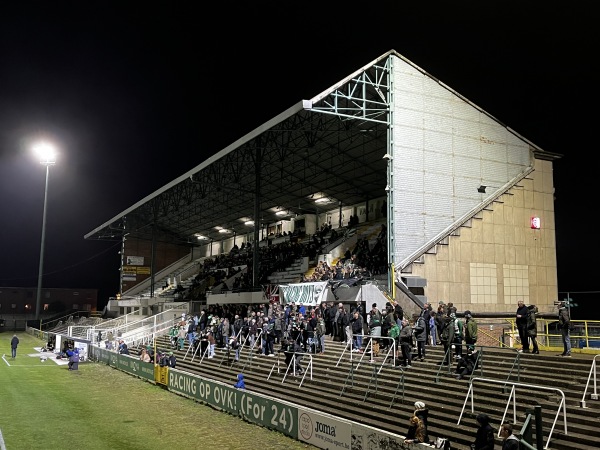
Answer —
(585, 338)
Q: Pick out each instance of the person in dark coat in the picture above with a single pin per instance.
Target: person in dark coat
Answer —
(172, 360)
(123, 350)
(14, 342)
(466, 364)
(484, 438)
(521, 323)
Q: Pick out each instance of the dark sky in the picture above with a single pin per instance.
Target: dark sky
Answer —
(135, 95)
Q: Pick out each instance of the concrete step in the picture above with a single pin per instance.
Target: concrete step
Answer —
(346, 389)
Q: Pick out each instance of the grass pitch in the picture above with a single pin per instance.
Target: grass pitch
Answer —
(44, 406)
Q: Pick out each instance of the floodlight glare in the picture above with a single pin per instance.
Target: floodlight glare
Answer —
(45, 152)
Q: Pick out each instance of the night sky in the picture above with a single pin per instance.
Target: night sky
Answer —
(134, 96)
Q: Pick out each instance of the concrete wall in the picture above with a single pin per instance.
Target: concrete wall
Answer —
(500, 258)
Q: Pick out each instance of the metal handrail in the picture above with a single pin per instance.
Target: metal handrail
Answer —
(251, 350)
(594, 396)
(369, 350)
(513, 399)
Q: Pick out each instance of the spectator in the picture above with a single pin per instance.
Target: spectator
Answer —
(150, 352)
(181, 334)
(240, 384)
(298, 358)
(532, 328)
(416, 430)
(420, 331)
(447, 336)
(426, 313)
(321, 331)
(509, 440)
(521, 323)
(357, 331)
(202, 320)
(470, 331)
(375, 329)
(14, 343)
(433, 336)
(235, 346)
(565, 326)
(459, 327)
(466, 364)
(191, 328)
(123, 349)
(171, 360)
(406, 343)
(422, 413)
(144, 356)
(439, 321)
(346, 319)
(211, 344)
(484, 438)
(73, 359)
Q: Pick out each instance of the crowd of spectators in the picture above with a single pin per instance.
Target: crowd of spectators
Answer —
(233, 270)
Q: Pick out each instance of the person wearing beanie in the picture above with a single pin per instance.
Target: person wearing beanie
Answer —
(172, 360)
(422, 413)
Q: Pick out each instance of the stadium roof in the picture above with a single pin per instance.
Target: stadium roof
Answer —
(315, 156)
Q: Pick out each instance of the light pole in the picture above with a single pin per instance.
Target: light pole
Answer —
(46, 154)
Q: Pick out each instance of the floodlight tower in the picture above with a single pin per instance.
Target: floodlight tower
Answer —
(46, 154)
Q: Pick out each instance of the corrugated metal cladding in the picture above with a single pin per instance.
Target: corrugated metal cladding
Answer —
(444, 149)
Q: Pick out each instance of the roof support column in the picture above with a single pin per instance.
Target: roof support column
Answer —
(257, 221)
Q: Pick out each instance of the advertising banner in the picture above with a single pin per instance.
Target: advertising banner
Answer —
(309, 294)
(323, 430)
(365, 437)
(269, 413)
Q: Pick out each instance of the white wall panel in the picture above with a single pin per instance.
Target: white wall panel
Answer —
(439, 162)
(408, 137)
(470, 167)
(414, 203)
(440, 206)
(444, 148)
(438, 183)
(437, 141)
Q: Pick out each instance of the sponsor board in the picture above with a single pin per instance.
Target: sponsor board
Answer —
(323, 430)
(269, 413)
(369, 438)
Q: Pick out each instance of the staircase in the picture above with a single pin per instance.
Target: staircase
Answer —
(385, 400)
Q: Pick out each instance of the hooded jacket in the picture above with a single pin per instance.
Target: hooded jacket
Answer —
(511, 443)
(240, 382)
(484, 439)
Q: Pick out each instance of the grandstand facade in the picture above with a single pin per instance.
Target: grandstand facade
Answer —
(467, 202)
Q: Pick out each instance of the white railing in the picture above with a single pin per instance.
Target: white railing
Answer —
(593, 396)
(512, 399)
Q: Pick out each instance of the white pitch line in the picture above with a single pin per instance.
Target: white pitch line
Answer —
(2, 445)
(4, 358)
